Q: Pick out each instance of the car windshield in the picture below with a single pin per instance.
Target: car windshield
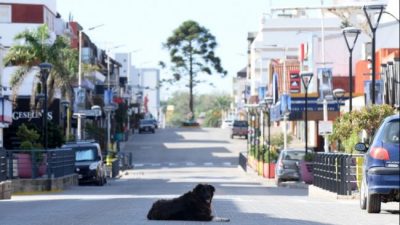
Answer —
(147, 122)
(240, 124)
(294, 155)
(85, 154)
(391, 133)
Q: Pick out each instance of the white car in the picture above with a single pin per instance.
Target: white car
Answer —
(227, 124)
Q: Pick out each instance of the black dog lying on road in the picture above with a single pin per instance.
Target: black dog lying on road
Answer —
(195, 205)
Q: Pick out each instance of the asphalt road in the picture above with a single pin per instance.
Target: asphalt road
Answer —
(170, 163)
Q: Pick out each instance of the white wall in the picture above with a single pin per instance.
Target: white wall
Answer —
(150, 78)
(278, 37)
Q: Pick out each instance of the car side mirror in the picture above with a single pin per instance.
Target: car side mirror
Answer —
(361, 147)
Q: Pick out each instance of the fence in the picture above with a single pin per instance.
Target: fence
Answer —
(32, 164)
(243, 161)
(125, 160)
(3, 165)
(338, 172)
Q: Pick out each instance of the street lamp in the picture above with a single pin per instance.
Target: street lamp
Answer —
(338, 93)
(65, 104)
(78, 114)
(306, 79)
(370, 12)
(350, 35)
(45, 69)
(108, 109)
(268, 101)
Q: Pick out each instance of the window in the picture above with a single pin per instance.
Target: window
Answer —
(5, 13)
(84, 155)
(392, 132)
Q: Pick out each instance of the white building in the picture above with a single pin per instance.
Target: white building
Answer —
(280, 38)
(148, 88)
(42, 12)
(143, 83)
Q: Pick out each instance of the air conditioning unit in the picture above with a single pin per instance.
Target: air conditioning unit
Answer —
(366, 50)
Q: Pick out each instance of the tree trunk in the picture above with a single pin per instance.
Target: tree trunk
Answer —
(191, 87)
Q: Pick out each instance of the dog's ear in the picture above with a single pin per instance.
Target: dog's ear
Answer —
(198, 187)
(212, 188)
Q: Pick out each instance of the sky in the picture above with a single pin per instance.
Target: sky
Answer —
(141, 26)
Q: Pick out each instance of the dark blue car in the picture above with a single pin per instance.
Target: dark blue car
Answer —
(381, 169)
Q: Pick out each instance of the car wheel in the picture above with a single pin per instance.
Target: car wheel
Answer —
(245, 136)
(278, 181)
(363, 202)
(373, 203)
(153, 131)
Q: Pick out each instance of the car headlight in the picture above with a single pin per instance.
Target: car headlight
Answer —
(93, 166)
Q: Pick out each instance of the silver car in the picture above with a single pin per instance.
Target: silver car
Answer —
(287, 166)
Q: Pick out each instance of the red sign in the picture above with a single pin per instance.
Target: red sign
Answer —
(295, 85)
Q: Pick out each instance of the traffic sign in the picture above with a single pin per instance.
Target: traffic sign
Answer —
(325, 127)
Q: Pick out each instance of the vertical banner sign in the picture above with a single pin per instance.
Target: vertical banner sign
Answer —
(79, 102)
(295, 80)
(261, 93)
(107, 97)
(275, 90)
(325, 82)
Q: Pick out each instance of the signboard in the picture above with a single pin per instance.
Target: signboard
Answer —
(108, 96)
(325, 82)
(80, 97)
(325, 127)
(5, 111)
(298, 105)
(378, 92)
(295, 81)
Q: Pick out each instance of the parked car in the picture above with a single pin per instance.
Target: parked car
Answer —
(147, 125)
(89, 164)
(287, 165)
(240, 128)
(381, 167)
(155, 123)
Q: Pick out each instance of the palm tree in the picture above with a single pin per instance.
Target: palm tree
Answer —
(38, 47)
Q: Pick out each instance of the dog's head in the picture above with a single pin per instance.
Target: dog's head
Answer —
(205, 192)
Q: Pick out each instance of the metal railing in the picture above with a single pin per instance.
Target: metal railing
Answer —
(32, 164)
(243, 160)
(125, 160)
(338, 172)
(3, 165)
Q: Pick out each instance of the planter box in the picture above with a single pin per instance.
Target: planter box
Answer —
(269, 170)
(25, 166)
(306, 172)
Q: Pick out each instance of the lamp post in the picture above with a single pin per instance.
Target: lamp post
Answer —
(370, 11)
(350, 36)
(338, 94)
(45, 69)
(268, 101)
(65, 104)
(306, 79)
(109, 108)
(78, 114)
